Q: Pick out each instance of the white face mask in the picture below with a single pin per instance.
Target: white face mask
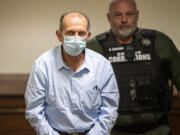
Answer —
(74, 45)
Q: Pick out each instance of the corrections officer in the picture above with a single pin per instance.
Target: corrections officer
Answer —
(143, 60)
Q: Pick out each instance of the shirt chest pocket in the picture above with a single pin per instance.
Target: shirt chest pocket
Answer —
(91, 97)
(56, 100)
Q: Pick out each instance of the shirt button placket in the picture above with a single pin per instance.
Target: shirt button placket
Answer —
(74, 95)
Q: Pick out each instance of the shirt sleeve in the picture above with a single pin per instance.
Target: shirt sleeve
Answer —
(166, 49)
(109, 106)
(35, 102)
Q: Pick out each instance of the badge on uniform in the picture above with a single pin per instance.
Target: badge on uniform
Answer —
(146, 42)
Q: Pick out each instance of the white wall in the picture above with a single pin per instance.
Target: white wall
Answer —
(27, 27)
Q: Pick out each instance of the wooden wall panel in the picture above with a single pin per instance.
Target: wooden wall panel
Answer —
(12, 107)
(13, 84)
(174, 116)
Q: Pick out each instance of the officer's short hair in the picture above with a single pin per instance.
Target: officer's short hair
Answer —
(63, 15)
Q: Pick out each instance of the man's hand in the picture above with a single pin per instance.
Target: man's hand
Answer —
(176, 92)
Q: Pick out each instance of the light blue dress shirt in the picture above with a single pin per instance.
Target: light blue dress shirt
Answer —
(60, 99)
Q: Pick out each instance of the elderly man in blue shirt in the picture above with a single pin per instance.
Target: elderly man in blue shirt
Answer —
(71, 89)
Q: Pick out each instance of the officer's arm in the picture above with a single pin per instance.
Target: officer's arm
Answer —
(166, 49)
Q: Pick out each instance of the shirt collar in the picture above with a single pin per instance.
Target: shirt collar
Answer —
(60, 63)
(86, 63)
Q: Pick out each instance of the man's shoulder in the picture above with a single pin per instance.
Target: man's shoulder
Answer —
(96, 56)
(153, 32)
(95, 42)
(145, 33)
(97, 61)
(164, 45)
(100, 36)
(161, 39)
(47, 55)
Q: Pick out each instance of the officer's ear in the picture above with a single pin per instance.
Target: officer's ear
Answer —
(88, 36)
(59, 36)
(108, 17)
(137, 15)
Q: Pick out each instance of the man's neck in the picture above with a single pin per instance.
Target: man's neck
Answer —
(74, 62)
(125, 40)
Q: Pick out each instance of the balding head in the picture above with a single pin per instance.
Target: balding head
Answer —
(114, 2)
(73, 14)
(73, 24)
